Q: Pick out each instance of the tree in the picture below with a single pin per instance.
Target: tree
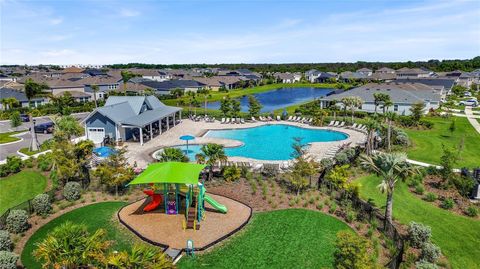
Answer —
(126, 76)
(339, 177)
(448, 160)
(352, 102)
(390, 116)
(379, 98)
(63, 102)
(459, 90)
(70, 161)
(66, 127)
(33, 89)
(140, 256)
(95, 90)
(15, 120)
(71, 246)
(417, 111)
(225, 105)
(303, 168)
(235, 109)
(452, 127)
(372, 126)
(9, 103)
(212, 153)
(115, 171)
(351, 252)
(254, 106)
(172, 155)
(390, 167)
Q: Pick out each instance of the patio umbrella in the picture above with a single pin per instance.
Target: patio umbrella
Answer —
(187, 138)
(284, 114)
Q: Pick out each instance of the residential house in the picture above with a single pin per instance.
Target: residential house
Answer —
(443, 85)
(153, 74)
(365, 71)
(349, 76)
(413, 73)
(326, 77)
(312, 75)
(403, 96)
(385, 70)
(131, 118)
(21, 98)
(165, 87)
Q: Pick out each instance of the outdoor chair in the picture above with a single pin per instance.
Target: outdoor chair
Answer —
(290, 118)
(331, 123)
(341, 124)
(278, 118)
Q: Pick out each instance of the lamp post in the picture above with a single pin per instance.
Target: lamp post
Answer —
(34, 143)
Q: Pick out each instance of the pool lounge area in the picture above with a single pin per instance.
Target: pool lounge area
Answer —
(319, 143)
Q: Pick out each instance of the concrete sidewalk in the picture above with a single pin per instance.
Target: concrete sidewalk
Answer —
(472, 119)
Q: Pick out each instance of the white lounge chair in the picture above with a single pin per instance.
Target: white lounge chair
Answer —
(310, 120)
(289, 118)
(223, 121)
(304, 120)
(242, 121)
(354, 126)
(227, 121)
(278, 118)
(341, 124)
(269, 118)
(335, 124)
(331, 123)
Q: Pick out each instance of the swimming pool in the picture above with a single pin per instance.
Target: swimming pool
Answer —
(267, 142)
(104, 152)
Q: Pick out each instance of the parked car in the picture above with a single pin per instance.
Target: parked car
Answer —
(467, 94)
(46, 128)
(469, 102)
(24, 117)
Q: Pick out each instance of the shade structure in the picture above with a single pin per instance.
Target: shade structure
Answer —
(170, 172)
(187, 137)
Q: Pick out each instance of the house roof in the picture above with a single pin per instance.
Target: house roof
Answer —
(408, 93)
(19, 95)
(364, 70)
(352, 75)
(447, 83)
(172, 84)
(386, 70)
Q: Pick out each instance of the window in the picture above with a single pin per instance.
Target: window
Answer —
(395, 107)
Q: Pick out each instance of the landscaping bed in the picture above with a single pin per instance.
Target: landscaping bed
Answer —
(8, 137)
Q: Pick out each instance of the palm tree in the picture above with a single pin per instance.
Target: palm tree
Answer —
(390, 167)
(212, 153)
(352, 102)
(172, 155)
(372, 126)
(386, 104)
(95, 90)
(390, 117)
(9, 103)
(140, 256)
(70, 245)
(66, 127)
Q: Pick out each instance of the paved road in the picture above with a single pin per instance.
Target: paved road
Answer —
(471, 118)
(11, 149)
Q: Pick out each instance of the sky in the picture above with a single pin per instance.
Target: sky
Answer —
(234, 31)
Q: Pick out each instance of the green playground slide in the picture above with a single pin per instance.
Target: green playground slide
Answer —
(215, 204)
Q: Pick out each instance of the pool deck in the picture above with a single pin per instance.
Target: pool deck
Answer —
(142, 155)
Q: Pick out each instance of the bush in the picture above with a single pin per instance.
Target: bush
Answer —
(419, 189)
(447, 203)
(425, 265)
(28, 163)
(341, 158)
(418, 234)
(44, 162)
(351, 252)
(431, 197)
(13, 165)
(430, 252)
(333, 208)
(471, 211)
(41, 204)
(17, 221)
(72, 191)
(5, 241)
(319, 205)
(232, 173)
(4, 170)
(350, 216)
(464, 185)
(8, 260)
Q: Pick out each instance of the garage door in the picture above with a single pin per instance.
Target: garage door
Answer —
(96, 134)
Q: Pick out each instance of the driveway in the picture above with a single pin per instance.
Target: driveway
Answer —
(11, 149)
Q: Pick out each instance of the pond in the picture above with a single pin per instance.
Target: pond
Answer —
(280, 98)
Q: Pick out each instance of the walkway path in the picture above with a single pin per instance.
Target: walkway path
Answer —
(471, 118)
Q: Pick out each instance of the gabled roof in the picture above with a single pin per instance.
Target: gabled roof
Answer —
(135, 102)
(172, 84)
(445, 82)
(19, 95)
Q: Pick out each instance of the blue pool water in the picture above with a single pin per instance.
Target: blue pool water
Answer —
(103, 152)
(268, 142)
(280, 98)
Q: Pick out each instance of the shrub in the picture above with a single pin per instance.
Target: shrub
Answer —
(41, 204)
(430, 197)
(464, 185)
(17, 221)
(4, 170)
(351, 252)
(5, 241)
(14, 164)
(430, 252)
(8, 260)
(447, 203)
(44, 162)
(419, 189)
(319, 205)
(425, 265)
(28, 163)
(333, 208)
(350, 216)
(418, 234)
(341, 158)
(471, 211)
(72, 191)
(232, 173)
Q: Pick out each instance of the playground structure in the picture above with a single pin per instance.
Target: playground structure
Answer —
(175, 186)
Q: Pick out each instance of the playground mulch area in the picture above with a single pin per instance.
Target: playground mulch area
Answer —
(164, 229)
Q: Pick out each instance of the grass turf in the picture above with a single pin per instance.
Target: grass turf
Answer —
(20, 187)
(95, 216)
(457, 236)
(427, 144)
(7, 137)
(292, 238)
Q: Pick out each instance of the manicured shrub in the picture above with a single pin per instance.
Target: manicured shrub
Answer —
(351, 252)
(425, 265)
(431, 197)
(42, 205)
(430, 252)
(341, 158)
(17, 221)
(8, 260)
(28, 163)
(447, 203)
(333, 208)
(350, 216)
(418, 234)
(5, 241)
(72, 191)
(44, 162)
(14, 164)
(232, 173)
(4, 170)
(471, 211)
(319, 205)
(419, 189)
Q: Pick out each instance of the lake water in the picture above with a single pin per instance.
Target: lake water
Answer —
(280, 98)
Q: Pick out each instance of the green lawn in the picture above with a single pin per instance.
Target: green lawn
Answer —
(217, 96)
(7, 138)
(457, 236)
(95, 216)
(20, 187)
(292, 238)
(427, 144)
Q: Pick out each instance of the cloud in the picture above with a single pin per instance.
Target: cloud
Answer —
(128, 13)
(58, 53)
(60, 37)
(56, 21)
